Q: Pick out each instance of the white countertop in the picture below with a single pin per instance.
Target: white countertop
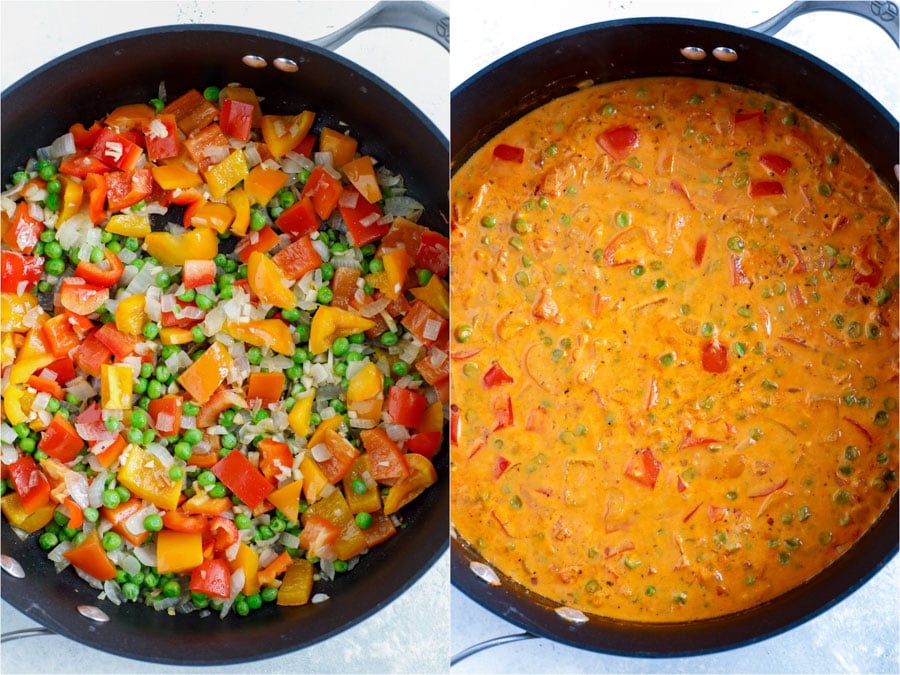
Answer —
(36, 32)
(862, 633)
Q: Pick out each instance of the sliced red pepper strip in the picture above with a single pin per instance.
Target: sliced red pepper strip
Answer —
(775, 163)
(100, 276)
(765, 188)
(643, 468)
(618, 141)
(19, 273)
(496, 376)
(509, 153)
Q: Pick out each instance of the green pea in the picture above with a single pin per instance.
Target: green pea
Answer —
(638, 270)
(192, 436)
(153, 522)
(111, 540)
(171, 589)
(789, 119)
(55, 267)
(341, 346)
(623, 219)
(735, 244)
(324, 295)
(150, 330)
(176, 473)
(389, 338)
(399, 368)
(489, 222)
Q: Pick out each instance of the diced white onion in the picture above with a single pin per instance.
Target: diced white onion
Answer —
(62, 146)
(320, 452)
(348, 199)
(319, 598)
(432, 329)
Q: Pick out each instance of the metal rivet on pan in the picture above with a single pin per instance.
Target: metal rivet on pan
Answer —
(12, 567)
(254, 61)
(93, 613)
(725, 54)
(693, 53)
(286, 65)
(571, 615)
(484, 573)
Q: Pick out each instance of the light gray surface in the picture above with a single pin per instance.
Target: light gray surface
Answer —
(411, 635)
(861, 634)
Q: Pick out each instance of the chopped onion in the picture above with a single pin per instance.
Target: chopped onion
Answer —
(375, 307)
(404, 206)
(320, 452)
(348, 199)
(62, 146)
(77, 485)
(56, 555)
(146, 554)
(396, 432)
(370, 219)
(319, 598)
(432, 329)
(323, 158)
(95, 490)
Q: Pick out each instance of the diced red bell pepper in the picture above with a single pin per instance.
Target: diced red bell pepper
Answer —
(299, 219)
(208, 146)
(342, 456)
(60, 440)
(101, 276)
(318, 534)
(47, 385)
(496, 376)
(509, 153)
(161, 137)
(19, 273)
(197, 273)
(263, 241)
(90, 355)
(81, 298)
(387, 462)
(192, 111)
(181, 522)
(765, 188)
(700, 250)
(738, 276)
(740, 117)
(775, 163)
(242, 478)
(618, 141)
(298, 259)
(213, 578)
(503, 412)
(434, 253)
(85, 138)
(64, 369)
(95, 185)
(90, 557)
(274, 456)
(364, 220)
(324, 190)
(30, 483)
(236, 118)
(225, 532)
(305, 147)
(127, 188)
(166, 414)
(643, 468)
(81, 164)
(120, 514)
(714, 357)
(425, 443)
(59, 336)
(421, 320)
(116, 150)
(24, 231)
(406, 406)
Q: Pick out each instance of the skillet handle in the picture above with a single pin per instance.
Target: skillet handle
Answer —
(882, 14)
(419, 17)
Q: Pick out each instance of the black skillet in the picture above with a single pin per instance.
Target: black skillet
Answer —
(87, 83)
(522, 81)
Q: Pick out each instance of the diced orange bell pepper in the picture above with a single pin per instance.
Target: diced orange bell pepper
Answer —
(265, 386)
(95, 184)
(341, 146)
(314, 481)
(330, 424)
(433, 419)
(330, 323)
(226, 174)
(421, 476)
(175, 249)
(266, 281)
(248, 560)
(72, 196)
(175, 176)
(130, 317)
(130, 116)
(361, 174)
(120, 514)
(59, 335)
(239, 202)
(192, 111)
(370, 500)
(334, 509)
(12, 509)
(90, 557)
(298, 259)
(111, 453)
(147, 477)
(201, 503)
(366, 383)
(275, 569)
(287, 500)
(115, 386)
(296, 587)
(178, 551)
(263, 241)
(202, 378)
(216, 215)
(175, 336)
(272, 333)
(388, 461)
(129, 225)
(396, 265)
(300, 414)
(435, 294)
(165, 412)
(342, 455)
(262, 184)
(283, 132)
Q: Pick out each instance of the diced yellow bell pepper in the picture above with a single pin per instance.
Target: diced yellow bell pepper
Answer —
(148, 478)
(175, 336)
(7, 350)
(421, 476)
(330, 424)
(248, 560)
(226, 174)
(24, 367)
(435, 294)
(216, 215)
(266, 280)
(178, 551)
(12, 509)
(335, 509)
(15, 404)
(287, 500)
(433, 419)
(296, 586)
(396, 265)
(300, 414)
(368, 382)
(175, 176)
(72, 196)
(370, 500)
(130, 317)
(330, 323)
(239, 202)
(272, 333)
(115, 386)
(174, 249)
(129, 225)
(262, 184)
(13, 309)
(314, 480)
(283, 132)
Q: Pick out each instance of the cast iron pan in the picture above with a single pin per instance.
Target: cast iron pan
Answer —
(522, 81)
(83, 86)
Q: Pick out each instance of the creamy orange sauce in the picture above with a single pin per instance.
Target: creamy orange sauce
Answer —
(674, 362)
